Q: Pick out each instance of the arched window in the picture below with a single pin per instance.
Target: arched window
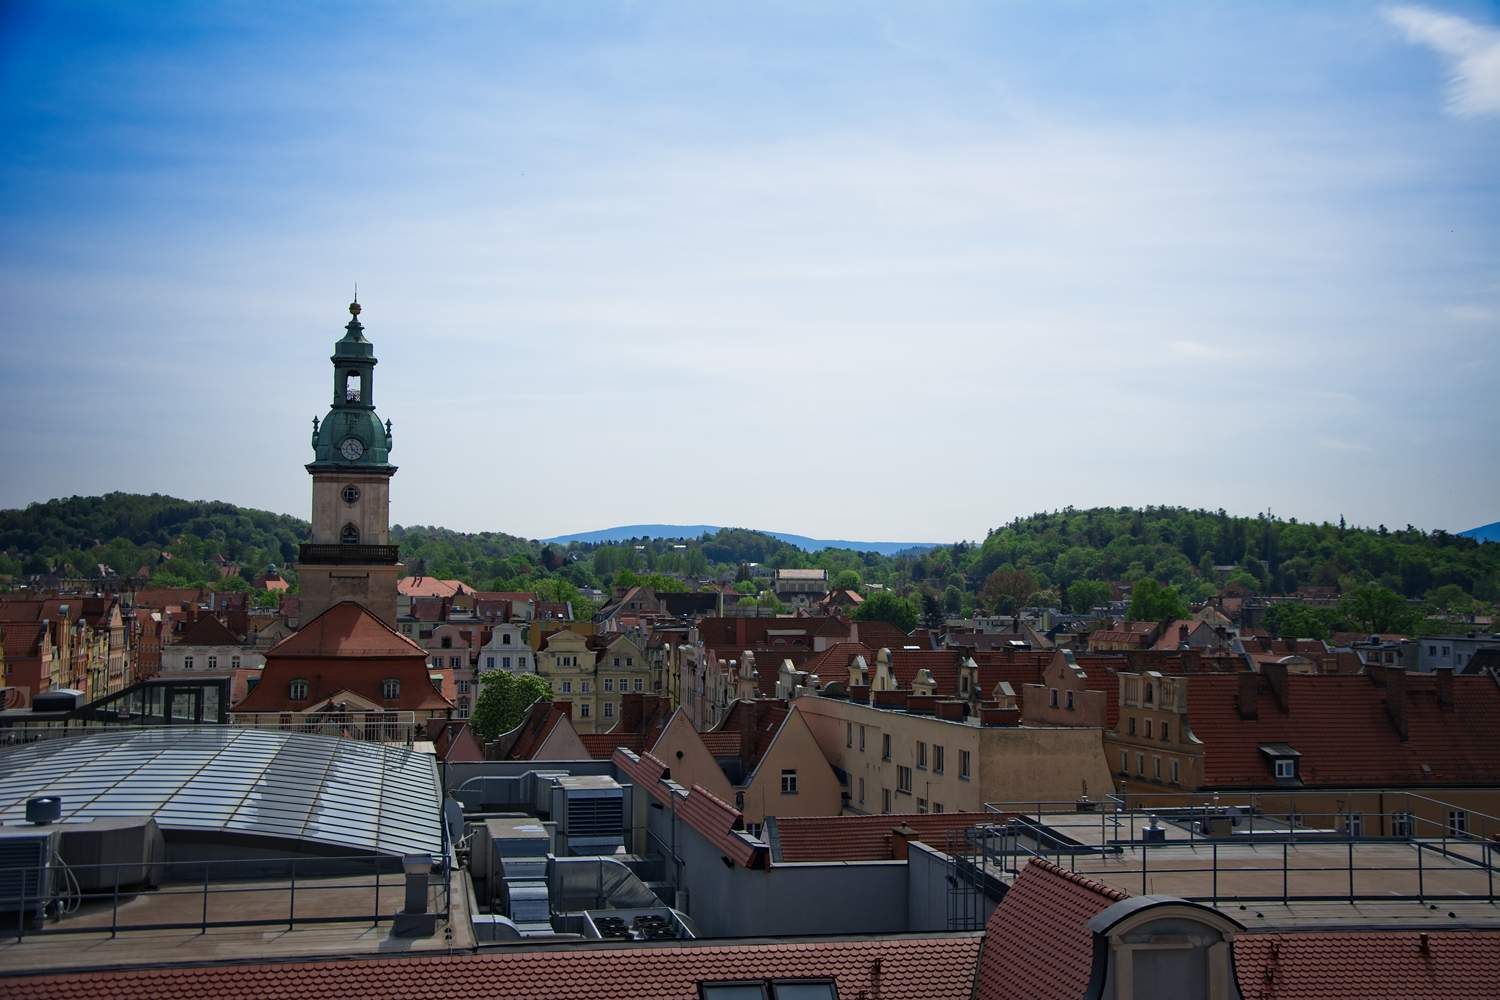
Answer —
(390, 688)
(350, 535)
(297, 690)
(353, 386)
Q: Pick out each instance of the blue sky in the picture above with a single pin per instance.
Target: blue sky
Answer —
(861, 270)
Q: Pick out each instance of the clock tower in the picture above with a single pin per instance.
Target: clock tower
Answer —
(350, 556)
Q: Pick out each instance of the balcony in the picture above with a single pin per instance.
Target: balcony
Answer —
(347, 555)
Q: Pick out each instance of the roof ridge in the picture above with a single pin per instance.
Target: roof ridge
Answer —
(1108, 891)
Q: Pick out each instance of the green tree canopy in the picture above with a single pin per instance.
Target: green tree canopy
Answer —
(1086, 595)
(884, 606)
(1151, 602)
(1376, 609)
(847, 580)
(503, 700)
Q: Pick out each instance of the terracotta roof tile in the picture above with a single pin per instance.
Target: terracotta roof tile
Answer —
(1037, 944)
(867, 838)
(1343, 730)
(892, 968)
(1369, 965)
(721, 825)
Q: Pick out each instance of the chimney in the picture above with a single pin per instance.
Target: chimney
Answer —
(1276, 674)
(1395, 698)
(1015, 624)
(630, 713)
(901, 838)
(1248, 692)
(1444, 678)
(1182, 633)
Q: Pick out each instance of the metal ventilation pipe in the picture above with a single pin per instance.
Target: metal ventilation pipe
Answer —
(414, 920)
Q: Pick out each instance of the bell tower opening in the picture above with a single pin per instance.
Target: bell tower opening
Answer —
(349, 535)
(354, 384)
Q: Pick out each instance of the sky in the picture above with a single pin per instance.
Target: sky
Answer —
(861, 270)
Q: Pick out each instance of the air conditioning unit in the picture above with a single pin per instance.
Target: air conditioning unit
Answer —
(28, 877)
(590, 814)
(127, 851)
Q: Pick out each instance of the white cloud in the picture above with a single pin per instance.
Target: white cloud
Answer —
(1472, 49)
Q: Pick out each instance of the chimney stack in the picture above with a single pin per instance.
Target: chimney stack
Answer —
(1276, 674)
(1248, 692)
(1395, 698)
(901, 838)
(1444, 677)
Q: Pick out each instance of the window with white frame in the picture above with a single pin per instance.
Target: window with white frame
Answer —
(922, 806)
(187, 663)
(1176, 773)
(789, 781)
(567, 687)
(297, 690)
(1401, 824)
(885, 746)
(234, 663)
(639, 684)
(1458, 822)
(463, 687)
(583, 710)
(885, 800)
(609, 684)
(609, 709)
(1286, 768)
(963, 765)
(903, 778)
(390, 688)
(921, 755)
(937, 758)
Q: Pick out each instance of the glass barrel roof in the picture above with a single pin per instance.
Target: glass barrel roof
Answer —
(345, 793)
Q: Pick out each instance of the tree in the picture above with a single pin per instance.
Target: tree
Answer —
(847, 580)
(1086, 595)
(1008, 587)
(884, 606)
(953, 599)
(1293, 620)
(1151, 602)
(1376, 609)
(1450, 599)
(503, 700)
(932, 614)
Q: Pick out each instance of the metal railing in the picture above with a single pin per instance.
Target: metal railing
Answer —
(228, 893)
(373, 727)
(1436, 859)
(349, 555)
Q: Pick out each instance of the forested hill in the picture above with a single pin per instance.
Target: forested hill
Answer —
(1062, 557)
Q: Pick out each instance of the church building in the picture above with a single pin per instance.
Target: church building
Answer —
(350, 557)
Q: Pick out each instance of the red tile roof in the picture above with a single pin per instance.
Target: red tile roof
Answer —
(1343, 730)
(721, 825)
(1369, 965)
(429, 586)
(891, 968)
(1037, 944)
(207, 630)
(541, 718)
(345, 630)
(883, 634)
(943, 663)
(644, 771)
(601, 746)
(866, 838)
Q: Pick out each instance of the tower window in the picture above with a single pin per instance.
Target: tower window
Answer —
(353, 386)
(351, 494)
(350, 535)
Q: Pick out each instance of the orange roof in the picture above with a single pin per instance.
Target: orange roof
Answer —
(429, 586)
(347, 629)
(1038, 944)
(1369, 965)
(867, 838)
(893, 967)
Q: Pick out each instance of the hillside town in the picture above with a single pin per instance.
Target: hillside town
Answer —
(693, 791)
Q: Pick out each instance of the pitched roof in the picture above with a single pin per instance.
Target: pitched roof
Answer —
(207, 630)
(1343, 730)
(645, 771)
(721, 825)
(1369, 965)
(541, 718)
(1038, 944)
(347, 629)
(833, 663)
(893, 968)
(601, 746)
(876, 634)
(429, 586)
(866, 838)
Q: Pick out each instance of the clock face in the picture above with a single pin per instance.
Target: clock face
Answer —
(351, 448)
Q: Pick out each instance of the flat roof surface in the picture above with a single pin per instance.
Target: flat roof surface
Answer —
(328, 790)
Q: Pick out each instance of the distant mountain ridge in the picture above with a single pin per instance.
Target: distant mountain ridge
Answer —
(1485, 532)
(803, 542)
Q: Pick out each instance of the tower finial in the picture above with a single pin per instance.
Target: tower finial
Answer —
(354, 306)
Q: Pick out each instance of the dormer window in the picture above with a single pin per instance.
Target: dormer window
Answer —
(1284, 762)
(297, 690)
(1286, 769)
(349, 535)
(390, 689)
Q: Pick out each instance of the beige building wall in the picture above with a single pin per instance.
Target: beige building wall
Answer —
(795, 750)
(1004, 763)
(370, 513)
(682, 750)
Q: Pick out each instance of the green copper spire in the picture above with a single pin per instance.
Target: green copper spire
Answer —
(351, 436)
